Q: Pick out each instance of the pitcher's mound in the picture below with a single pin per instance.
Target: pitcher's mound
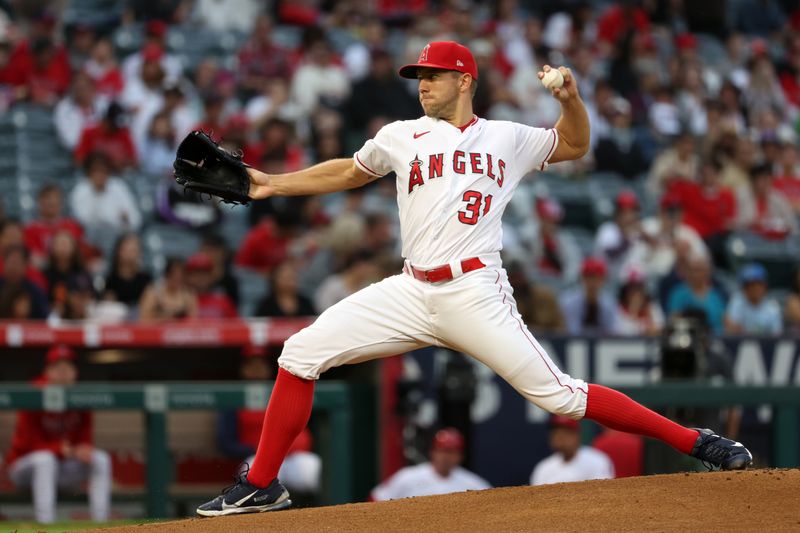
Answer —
(757, 500)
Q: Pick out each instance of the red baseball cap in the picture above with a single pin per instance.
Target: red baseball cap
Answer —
(559, 421)
(152, 53)
(448, 439)
(200, 262)
(634, 274)
(627, 200)
(686, 41)
(236, 122)
(549, 209)
(59, 352)
(447, 55)
(156, 28)
(593, 266)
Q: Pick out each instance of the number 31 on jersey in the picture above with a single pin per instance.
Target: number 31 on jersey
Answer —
(472, 211)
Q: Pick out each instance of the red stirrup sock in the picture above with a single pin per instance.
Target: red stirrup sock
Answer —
(287, 414)
(616, 411)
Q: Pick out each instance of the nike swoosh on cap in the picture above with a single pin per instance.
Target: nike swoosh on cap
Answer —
(418, 135)
(226, 505)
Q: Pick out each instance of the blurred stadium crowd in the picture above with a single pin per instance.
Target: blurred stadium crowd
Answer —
(689, 199)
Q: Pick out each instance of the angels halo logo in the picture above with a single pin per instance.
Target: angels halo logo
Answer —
(423, 56)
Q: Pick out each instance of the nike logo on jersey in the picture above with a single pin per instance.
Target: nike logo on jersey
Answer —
(418, 135)
(226, 505)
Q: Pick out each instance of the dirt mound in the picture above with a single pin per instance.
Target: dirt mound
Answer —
(764, 500)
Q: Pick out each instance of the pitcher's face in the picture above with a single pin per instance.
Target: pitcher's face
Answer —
(438, 91)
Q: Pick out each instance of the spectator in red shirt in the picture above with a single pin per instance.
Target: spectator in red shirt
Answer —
(260, 60)
(39, 232)
(625, 450)
(708, 206)
(111, 138)
(103, 69)
(276, 140)
(211, 303)
(55, 449)
(155, 37)
(78, 110)
(235, 133)
(39, 70)
(787, 175)
(619, 20)
(763, 209)
(267, 244)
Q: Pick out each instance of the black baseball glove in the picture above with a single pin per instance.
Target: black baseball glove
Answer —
(201, 165)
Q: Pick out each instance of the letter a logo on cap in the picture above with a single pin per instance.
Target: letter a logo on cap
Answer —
(423, 56)
(459, 63)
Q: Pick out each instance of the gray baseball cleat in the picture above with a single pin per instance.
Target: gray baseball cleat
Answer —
(721, 452)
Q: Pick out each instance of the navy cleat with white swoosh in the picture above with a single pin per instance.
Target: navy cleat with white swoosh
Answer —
(724, 453)
(242, 497)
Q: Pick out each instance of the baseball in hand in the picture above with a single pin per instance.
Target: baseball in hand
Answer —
(553, 79)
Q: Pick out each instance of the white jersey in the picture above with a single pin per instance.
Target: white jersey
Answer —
(588, 463)
(453, 184)
(423, 480)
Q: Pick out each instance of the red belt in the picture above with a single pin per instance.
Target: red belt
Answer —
(444, 272)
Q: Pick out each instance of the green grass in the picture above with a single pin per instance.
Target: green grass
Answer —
(60, 527)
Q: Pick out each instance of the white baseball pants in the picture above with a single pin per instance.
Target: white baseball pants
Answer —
(474, 313)
(44, 473)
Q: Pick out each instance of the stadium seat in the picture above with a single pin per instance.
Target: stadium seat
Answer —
(779, 257)
(573, 195)
(144, 187)
(603, 190)
(288, 37)
(710, 49)
(94, 13)
(253, 287)
(194, 46)
(234, 226)
(128, 39)
(168, 240)
(583, 238)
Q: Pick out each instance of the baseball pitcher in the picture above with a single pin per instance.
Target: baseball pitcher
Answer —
(456, 173)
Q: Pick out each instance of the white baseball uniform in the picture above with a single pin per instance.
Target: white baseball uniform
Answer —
(588, 463)
(423, 480)
(43, 472)
(453, 185)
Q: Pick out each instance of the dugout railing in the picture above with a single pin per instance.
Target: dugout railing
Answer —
(784, 400)
(333, 402)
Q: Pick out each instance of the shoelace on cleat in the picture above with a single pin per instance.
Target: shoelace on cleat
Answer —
(238, 478)
(713, 451)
